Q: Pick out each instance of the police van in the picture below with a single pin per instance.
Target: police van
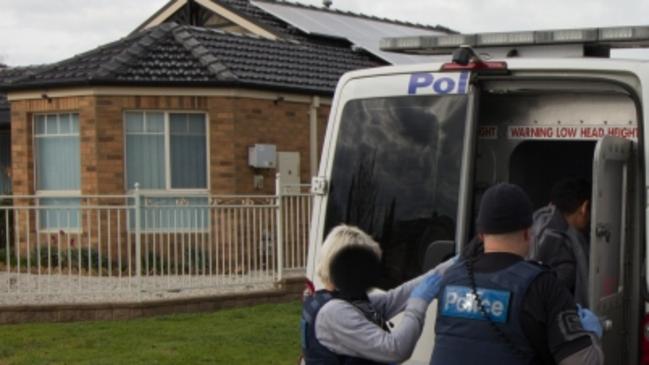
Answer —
(410, 149)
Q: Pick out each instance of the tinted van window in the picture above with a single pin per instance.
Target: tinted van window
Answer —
(396, 175)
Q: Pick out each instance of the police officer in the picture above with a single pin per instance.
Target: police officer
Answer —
(343, 324)
(497, 308)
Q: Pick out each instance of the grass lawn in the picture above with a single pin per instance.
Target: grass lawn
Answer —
(264, 334)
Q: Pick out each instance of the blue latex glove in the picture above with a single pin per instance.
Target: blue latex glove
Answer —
(589, 321)
(427, 288)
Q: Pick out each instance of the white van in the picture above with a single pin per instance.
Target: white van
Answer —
(410, 149)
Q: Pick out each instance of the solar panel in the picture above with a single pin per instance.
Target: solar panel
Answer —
(361, 32)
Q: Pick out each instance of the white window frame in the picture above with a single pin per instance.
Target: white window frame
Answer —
(167, 152)
(40, 194)
(168, 191)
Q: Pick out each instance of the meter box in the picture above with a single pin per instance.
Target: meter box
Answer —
(262, 156)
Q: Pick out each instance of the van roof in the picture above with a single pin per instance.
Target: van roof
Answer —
(574, 64)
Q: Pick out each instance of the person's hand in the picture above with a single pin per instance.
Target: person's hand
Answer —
(427, 288)
(589, 321)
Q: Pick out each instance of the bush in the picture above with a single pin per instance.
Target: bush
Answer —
(191, 262)
(73, 258)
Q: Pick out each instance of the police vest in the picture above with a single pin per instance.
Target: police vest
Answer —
(313, 351)
(462, 333)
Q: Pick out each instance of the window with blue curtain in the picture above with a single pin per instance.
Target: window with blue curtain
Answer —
(167, 151)
(147, 144)
(58, 168)
(188, 152)
(5, 163)
(145, 150)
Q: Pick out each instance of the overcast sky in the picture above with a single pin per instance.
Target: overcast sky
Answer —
(45, 31)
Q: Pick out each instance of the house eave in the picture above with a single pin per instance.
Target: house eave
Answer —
(321, 91)
(291, 95)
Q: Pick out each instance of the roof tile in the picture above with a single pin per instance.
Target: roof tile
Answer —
(172, 54)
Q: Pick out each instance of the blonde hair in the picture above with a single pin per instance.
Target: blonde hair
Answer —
(340, 237)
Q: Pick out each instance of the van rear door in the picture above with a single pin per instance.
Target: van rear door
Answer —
(395, 164)
(611, 170)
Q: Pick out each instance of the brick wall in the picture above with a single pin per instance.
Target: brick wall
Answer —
(234, 125)
(222, 119)
(22, 155)
(22, 152)
(283, 124)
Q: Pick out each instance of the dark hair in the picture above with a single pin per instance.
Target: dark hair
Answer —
(354, 270)
(569, 194)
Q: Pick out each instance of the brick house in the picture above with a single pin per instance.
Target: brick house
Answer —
(176, 105)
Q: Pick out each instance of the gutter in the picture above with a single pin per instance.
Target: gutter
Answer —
(8, 88)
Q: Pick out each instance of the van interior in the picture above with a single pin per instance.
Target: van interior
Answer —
(537, 165)
(537, 161)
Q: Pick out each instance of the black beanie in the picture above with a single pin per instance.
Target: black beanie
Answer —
(354, 270)
(504, 208)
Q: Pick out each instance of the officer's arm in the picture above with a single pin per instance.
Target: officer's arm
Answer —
(394, 301)
(566, 337)
(344, 330)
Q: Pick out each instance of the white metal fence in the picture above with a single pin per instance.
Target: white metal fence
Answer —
(71, 249)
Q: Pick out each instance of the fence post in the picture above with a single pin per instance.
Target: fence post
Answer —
(280, 228)
(138, 241)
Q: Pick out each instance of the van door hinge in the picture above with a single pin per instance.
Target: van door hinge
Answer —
(603, 230)
(319, 185)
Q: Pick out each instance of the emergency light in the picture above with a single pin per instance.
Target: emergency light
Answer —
(611, 37)
(465, 58)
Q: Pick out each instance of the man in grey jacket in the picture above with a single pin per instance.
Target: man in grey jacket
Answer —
(343, 324)
(559, 234)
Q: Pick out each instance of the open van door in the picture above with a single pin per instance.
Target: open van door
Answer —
(608, 242)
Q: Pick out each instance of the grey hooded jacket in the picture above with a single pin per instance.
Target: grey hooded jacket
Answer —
(563, 248)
